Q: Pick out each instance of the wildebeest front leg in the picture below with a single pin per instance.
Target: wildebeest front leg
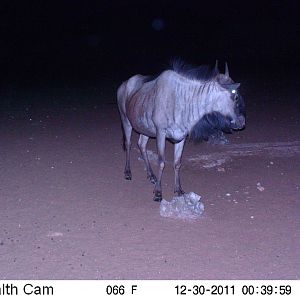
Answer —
(161, 144)
(178, 148)
(143, 140)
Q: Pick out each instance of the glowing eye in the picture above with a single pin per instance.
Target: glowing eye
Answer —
(233, 91)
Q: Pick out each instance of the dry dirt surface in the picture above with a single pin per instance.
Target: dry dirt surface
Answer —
(67, 212)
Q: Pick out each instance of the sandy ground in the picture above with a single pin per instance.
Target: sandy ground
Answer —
(67, 213)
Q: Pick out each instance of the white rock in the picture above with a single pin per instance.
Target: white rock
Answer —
(187, 206)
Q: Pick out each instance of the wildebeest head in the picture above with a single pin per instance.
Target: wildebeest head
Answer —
(236, 106)
(226, 110)
(238, 118)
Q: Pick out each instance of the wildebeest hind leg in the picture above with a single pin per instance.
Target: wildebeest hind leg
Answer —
(143, 140)
(161, 143)
(127, 143)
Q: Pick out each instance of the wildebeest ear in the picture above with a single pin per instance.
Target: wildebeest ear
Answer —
(231, 86)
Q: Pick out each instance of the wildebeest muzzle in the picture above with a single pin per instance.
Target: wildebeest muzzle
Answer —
(239, 123)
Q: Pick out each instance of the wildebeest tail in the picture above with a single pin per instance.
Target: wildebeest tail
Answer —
(121, 99)
(123, 138)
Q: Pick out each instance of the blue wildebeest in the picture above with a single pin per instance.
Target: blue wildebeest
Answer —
(180, 102)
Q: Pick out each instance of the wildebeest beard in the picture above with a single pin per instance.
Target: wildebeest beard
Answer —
(208, 125)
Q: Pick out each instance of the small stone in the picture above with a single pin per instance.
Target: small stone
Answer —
(260, 187)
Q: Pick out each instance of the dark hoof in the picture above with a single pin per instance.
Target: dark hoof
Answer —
(152, 179)
(157, 197)
(179, 193)
(128, 175)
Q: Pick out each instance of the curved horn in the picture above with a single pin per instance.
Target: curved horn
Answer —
(226, 70)
(216, 67)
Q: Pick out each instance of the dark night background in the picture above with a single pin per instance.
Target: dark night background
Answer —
(66, 210)
(84, 42)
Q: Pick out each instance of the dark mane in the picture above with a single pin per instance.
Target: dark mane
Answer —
(202, 72)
